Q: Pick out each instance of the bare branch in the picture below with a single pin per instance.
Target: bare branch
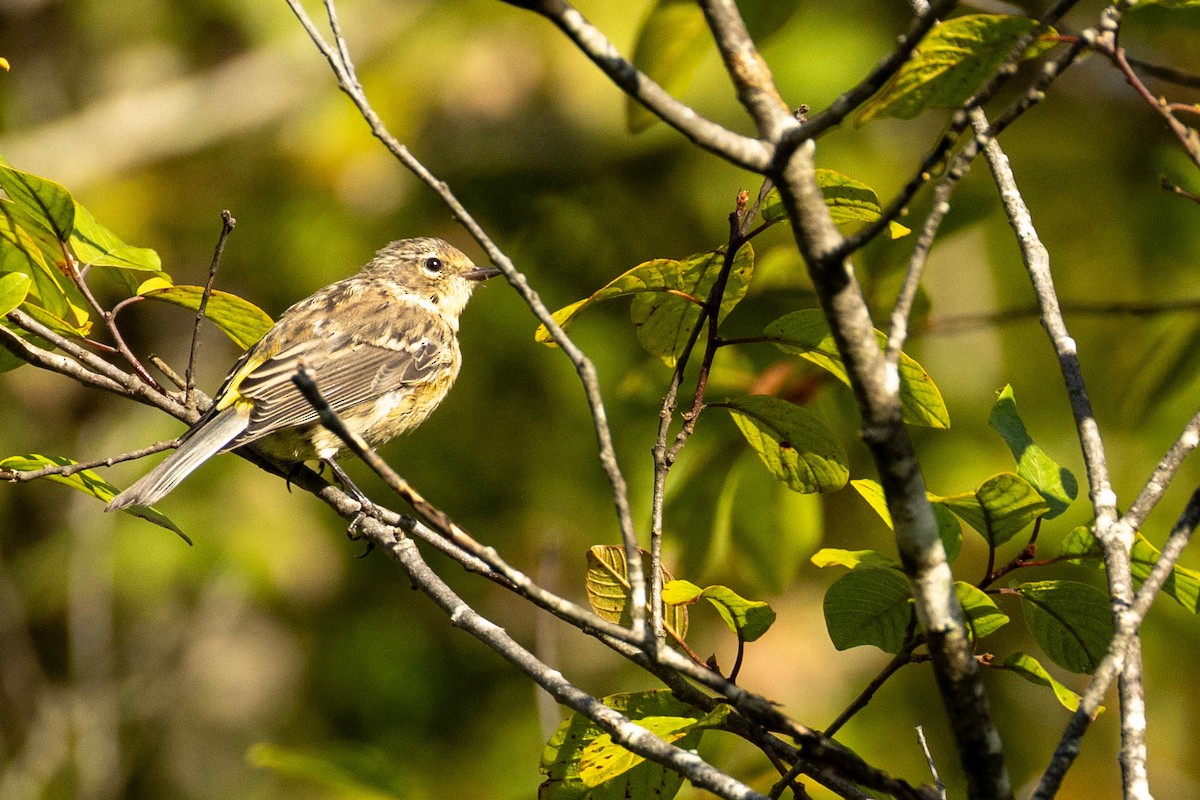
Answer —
(1115, 539)
(227, 223)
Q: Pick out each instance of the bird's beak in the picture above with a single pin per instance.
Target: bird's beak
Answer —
(481, 273)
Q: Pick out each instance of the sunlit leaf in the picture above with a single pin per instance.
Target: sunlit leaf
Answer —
(45, 208)
(1071, 621)
(806, 333)
(869, 606)
(88, 482)
(1002, 506)
(581, 761)
(1031, 670)
(96, 245)
(750, 619)
(949, 529)
(982, 615)
(849, 200)
(607, 585)
(1054, 483)
(668, 294)
(835, 557)
(44, 261)
(794, 444)
(951, 63)
(1182, 585)
(239, 319)
(14, 287)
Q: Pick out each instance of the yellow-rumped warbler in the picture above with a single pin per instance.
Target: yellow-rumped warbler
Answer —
(382, 347)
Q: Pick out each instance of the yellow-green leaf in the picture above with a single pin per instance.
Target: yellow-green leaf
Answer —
(951, 63)
(849, 200)
(239, 319)
(668, 295)
(607, 587)
(794, 444)
(14, 287)
(806, 334)
(982, 615)
(949, 529)
(582, 762)
(96, 245)
(1031, 670)
(836, 557)
(88, 482)
(1054, 483)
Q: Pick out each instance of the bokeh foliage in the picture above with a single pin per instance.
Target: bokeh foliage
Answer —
(170, 663)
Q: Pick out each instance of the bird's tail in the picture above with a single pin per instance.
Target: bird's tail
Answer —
(206, 441)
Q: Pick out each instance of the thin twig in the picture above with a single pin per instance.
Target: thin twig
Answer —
(227, 224)
(937, 779)
(65, 470)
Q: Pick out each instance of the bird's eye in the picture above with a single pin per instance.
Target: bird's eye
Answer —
(433, 264)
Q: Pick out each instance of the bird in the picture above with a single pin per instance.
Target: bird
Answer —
(381, 346)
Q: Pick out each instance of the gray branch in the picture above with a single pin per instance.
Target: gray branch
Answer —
(1114, 538)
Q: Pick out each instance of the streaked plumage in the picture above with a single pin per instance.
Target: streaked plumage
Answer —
(381, 345)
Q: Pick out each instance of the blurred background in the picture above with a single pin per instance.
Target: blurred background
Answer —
(134, 666)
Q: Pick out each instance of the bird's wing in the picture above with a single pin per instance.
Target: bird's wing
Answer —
(349, 368)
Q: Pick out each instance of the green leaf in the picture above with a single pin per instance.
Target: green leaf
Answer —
(44, 261)
(750, 619)
(1071, 621)
(1031, 670)
(14, 287)
(1054, 483)
(1182, 585)
(982, 616)
(834, 557)
(581, 761)
(240, 320)
(1002, 506)
(351, 772)
(96, 245)
(949, 531)
(45, 208)
(792, 441)
(667, 295)
(607, 586)
(951, 63)
(806, 333)
(869, 606)
(89, 483)
(849, 200)
(1168, 4)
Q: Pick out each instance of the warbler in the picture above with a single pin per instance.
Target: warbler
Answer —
(381, 346)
